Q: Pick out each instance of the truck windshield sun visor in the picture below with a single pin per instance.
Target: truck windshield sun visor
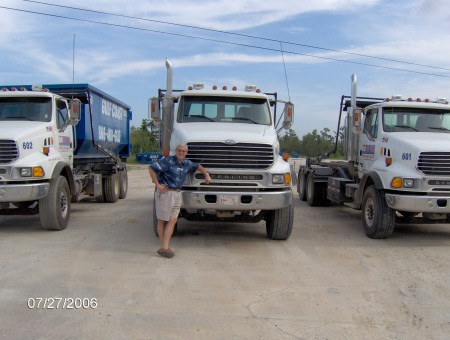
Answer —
(224, 109)
(26, 108)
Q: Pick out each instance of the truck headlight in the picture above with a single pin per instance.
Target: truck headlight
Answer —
(25, 172)
(35, 171)
(278, 179)
(408, 182)
(399, 182)
(281, 179)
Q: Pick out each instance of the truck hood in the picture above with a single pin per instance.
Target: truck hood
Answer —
(422, 141)
(220, 132)
(20, 129)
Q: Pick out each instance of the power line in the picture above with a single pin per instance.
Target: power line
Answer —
(222, 41)
(238, 34)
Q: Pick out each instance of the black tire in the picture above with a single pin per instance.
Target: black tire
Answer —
(54, 209)
(123, 183)
(279, 223)
(313, 191)
(377, 218)
(301, 186)
(111, 188)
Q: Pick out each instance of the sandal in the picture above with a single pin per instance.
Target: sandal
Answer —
(167, 253)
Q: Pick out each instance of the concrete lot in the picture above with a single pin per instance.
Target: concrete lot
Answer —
(227, 281)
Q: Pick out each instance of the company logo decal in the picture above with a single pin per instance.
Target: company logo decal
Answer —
(367, 151)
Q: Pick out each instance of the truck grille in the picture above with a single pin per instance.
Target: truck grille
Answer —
(236, 156)
(434, 163)
(8, 151)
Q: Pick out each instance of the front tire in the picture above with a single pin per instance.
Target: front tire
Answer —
(377, 218)
(54, 209)
(279, 223)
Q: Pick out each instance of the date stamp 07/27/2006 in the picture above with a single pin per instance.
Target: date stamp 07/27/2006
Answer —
(62, 303)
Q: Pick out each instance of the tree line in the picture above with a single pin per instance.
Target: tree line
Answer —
(146, 139)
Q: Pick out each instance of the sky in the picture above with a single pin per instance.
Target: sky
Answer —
(306, 51)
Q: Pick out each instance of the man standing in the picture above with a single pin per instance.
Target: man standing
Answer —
(168, 175)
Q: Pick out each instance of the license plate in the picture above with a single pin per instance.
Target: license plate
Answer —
(229, 199)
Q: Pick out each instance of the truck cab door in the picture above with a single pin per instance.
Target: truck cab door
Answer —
(64, 140)
(368, 141)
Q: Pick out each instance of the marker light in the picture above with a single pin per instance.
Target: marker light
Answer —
(250, 88)
(396, 182)
(38, 171)
(46, 150)
(198, 86)
(234, 88)
(388, 161)
(214, 87)
(224, 88)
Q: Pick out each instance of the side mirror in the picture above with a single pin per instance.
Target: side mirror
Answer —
(75, 111)
(154, 112)
(288, 115)
(357, 114)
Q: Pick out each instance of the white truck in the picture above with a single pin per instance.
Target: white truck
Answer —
(232, 134)
(397, 167)
(58, 142)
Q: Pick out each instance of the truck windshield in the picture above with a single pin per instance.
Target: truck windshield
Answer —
(26, 108)
(223, 109)
(416, 119)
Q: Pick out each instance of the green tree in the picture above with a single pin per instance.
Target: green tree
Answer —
(143, 139)
(290, 142)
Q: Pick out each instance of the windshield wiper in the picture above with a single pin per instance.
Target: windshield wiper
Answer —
(406, 127)
(243, 118)
(200, 116)
(438, 128)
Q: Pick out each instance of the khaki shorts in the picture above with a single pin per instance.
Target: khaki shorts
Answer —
(167, 204)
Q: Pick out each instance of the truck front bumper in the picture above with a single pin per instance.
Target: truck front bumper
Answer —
(431, 204)
(205, 200)
(23, 192)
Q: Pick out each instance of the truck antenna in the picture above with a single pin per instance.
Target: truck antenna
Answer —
(285, 73)
(73, 59)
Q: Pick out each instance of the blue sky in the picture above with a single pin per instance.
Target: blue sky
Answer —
(129, 63)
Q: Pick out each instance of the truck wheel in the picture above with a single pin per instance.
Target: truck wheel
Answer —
(279, 223)
(54, 209)
(313, 191)
(123, 183)
(111, 188)
(377, 218)
(301, 187)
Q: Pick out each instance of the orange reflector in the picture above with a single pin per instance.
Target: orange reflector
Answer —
(38, 171)
(388, 161)
(46, 150)
(396, 182)
(287, 178)
(165, 153)
(285, 156)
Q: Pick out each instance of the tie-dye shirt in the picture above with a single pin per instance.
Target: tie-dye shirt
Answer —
(171, 173)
